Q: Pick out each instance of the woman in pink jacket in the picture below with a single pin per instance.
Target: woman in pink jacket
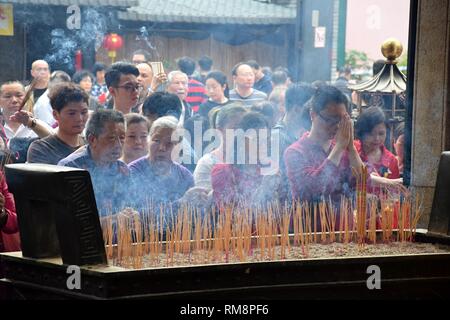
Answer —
(9, 230)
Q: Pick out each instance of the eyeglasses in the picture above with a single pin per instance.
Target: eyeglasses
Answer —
(331, 121)
(131, 88)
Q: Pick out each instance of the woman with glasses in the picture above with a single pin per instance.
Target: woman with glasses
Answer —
(136, 138)
(319, 165)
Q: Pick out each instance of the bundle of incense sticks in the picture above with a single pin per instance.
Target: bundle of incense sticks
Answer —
(361, 204)
(28, 93)
(163, 236)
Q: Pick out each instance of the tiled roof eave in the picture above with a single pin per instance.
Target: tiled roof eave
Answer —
(134, 16)
(94, 3)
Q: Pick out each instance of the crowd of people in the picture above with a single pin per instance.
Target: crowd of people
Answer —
(148, 137)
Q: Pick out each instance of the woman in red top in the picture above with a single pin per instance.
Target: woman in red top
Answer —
(319, 165)
(371, 129)
(9, 236)
(243, 183)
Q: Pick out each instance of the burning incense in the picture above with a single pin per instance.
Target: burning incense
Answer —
(161, 236)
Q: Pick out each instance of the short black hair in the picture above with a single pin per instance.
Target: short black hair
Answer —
(298, 94)
(100, 118)
(221, 78)
(325, 95)
(205, 63)
(226, 113)
(279, 77)
(253, 64)
(64, 93)
(162, 104)
(369, 119)
(190, 124)
(145, 53)
(253, 120)
(133, 118)
(112, 76)
(186, 65)
(10, 82)
(80, 75)
(266, 108)
(98, 66)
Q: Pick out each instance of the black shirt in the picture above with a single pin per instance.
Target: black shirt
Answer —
(37, 93)
(50, 150)
(264, 84)
(206, 107)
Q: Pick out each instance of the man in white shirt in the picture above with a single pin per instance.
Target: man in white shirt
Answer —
(42, 109)
(178, 85)
(19, 124)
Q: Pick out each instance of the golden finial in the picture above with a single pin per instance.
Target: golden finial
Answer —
(392, 49)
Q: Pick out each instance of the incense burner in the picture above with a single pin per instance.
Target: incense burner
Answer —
(401, 276)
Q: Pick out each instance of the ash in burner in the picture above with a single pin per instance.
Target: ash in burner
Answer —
(188, 236)
(315, 251)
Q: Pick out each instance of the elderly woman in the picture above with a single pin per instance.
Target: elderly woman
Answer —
(136, 138)
(156, 178)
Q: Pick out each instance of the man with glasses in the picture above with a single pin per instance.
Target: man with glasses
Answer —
(123, 86)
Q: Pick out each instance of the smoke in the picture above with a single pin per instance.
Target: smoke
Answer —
(64, 43)
(144, 36)
(93, 28)
(62, 49)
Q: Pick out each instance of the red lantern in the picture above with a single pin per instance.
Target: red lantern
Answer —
(112, 42)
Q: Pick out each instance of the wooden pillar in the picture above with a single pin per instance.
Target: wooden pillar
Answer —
(430, 127)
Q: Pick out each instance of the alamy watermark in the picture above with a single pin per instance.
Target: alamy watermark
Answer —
(73, 21)
(74, 280)
(374, 281)
(253, 146)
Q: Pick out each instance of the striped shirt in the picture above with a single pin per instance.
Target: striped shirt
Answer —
(196, 94)
(248, 101)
